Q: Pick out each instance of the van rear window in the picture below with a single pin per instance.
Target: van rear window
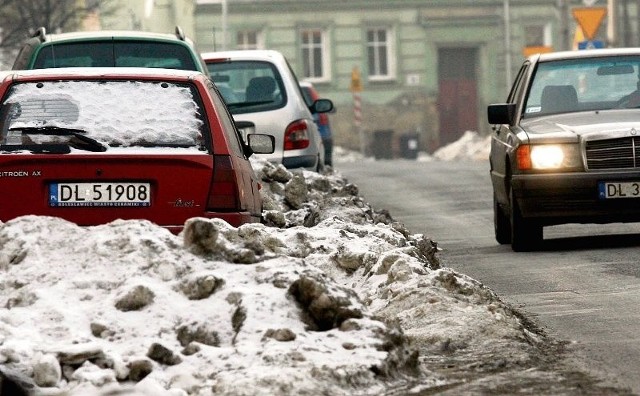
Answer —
(114, 53)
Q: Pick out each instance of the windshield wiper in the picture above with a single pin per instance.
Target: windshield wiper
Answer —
(87, 143)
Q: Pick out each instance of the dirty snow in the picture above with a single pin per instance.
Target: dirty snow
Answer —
(329, 296)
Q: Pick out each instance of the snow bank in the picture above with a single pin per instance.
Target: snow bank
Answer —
(470, 146)
(328, 297)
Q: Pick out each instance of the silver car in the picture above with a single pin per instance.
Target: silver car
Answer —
(566, 146)
(263, 95)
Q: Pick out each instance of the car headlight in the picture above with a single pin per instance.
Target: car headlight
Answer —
(549, 157)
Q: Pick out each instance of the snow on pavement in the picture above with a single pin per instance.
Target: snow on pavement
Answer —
(329, 296)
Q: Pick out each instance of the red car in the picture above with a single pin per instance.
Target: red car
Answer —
(93, 145)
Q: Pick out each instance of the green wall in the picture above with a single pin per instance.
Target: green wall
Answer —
(409, 101)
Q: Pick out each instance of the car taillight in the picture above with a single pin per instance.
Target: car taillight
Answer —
(296, 136)
(223, 194)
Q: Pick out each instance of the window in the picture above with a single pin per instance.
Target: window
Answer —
(115, 53)
(537, 35)
(248, 40)
(178, 122)
(249, 86)
(379, 53)
(314, 59)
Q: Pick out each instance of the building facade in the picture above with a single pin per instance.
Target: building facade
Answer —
(161, 16)
(396, 68)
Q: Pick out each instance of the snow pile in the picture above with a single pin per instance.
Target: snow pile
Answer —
(328, 297)
(470, 146)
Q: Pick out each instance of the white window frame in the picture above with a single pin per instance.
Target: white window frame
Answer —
(242, 39)
(307, 51)
(387, 48)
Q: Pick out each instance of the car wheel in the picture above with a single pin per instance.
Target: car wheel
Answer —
(525, 234)
(501, 223)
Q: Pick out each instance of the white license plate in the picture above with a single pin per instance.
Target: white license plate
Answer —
(608, 190)
(100, 194)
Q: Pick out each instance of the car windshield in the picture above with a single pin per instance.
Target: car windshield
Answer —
(113, 114)
(584, 84)
(248, 86)
(115, 53)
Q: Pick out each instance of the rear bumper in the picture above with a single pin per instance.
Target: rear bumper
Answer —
(573, 198)
(301, 161)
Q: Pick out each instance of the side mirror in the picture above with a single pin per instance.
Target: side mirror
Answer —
(501, 113)
(322, 106)
(261, 144)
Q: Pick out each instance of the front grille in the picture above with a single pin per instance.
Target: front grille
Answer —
(613, 153)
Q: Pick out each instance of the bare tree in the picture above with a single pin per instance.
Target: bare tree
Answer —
(20, 18)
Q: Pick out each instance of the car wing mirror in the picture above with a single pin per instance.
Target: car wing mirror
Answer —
(501, 113)
(260, 143)
(322, 106)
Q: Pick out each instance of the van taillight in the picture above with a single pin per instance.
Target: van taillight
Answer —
(223, 194)
(296, 136)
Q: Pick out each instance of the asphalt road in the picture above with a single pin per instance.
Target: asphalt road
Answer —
(582, 287)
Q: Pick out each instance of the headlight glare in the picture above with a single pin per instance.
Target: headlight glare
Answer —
(547, 157)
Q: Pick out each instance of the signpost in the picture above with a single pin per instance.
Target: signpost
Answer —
(589, 19)
(356, 89)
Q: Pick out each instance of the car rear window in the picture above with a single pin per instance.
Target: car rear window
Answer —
(114, 113)
(115, 53)
(248, 86)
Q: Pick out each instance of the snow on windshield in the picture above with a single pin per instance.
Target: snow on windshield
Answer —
(123, 113)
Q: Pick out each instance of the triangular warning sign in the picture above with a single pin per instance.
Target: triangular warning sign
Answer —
(589, 19)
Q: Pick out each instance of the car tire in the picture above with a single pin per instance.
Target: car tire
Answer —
(526, 235)
(501, 222)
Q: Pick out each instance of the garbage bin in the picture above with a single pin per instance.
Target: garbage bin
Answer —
(381, 146)
(409, 146)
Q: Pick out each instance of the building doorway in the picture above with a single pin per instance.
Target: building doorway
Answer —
(457, 93)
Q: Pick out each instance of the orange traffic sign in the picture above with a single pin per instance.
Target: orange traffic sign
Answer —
(589, 19)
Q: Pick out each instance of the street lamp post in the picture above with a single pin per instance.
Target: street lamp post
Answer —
(612, 22)
(507, 43)
(225, 12)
